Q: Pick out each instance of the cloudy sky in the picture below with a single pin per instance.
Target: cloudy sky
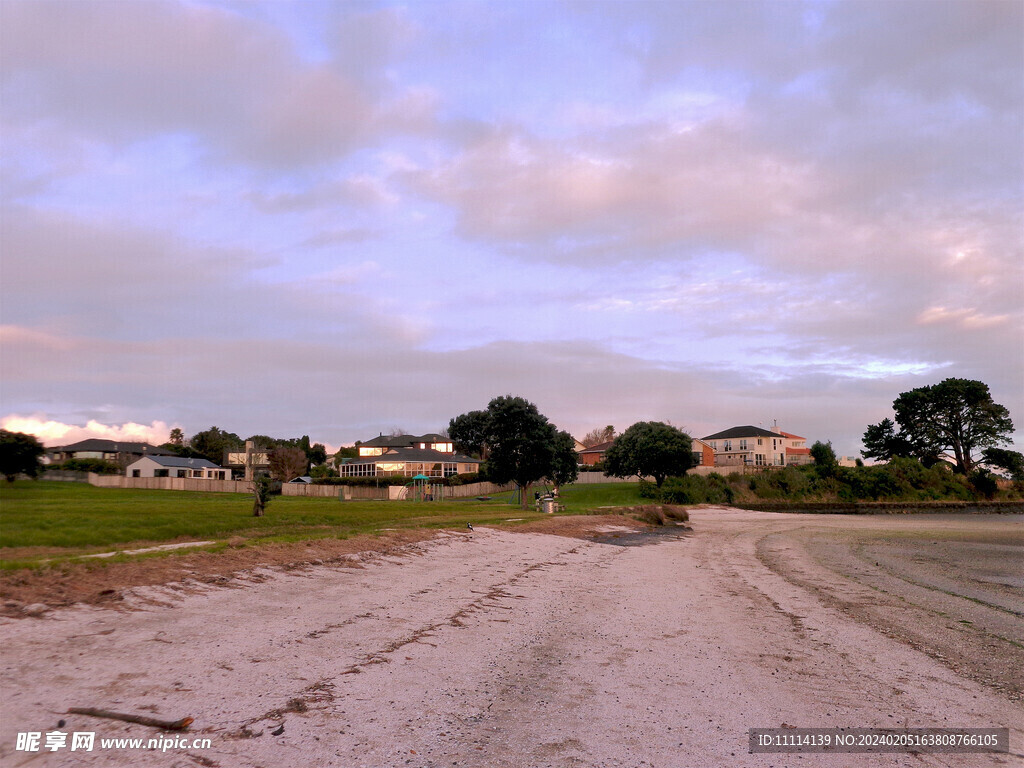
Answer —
(339, 218)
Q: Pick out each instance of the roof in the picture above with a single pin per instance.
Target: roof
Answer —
(747, 431)
(599, 448)
(112, 446)
(791, 436)
(799, 451)
(403, 441)
(415, 454)
(181, 461)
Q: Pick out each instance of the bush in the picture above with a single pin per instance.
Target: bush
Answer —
(984, 483)
(98, 466)
(696, 489)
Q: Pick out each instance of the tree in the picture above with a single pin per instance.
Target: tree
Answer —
(1010, 462)
(650, 449)
(521, 445)
(824, 458)
(213, 443)
(469, 433)
(881, 442)
(19, 453)
(598, 436)
(177, 437)
(260, 487)
(564, 461)
(287, 463)
(952, 420)
(317, 454)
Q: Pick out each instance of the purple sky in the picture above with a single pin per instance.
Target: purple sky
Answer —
(336, 219)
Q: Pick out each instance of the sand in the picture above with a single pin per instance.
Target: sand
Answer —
(494, 648)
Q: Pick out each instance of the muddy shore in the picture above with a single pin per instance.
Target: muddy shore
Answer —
(606, 648)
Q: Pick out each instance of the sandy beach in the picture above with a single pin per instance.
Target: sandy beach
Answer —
(515, 650)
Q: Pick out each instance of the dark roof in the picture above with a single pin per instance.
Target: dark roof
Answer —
(415, 454)
(112, 446)
(599, 448)
(747, 431)
(404, 441)
(181, 461)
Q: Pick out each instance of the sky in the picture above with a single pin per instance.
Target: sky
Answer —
(345, 218)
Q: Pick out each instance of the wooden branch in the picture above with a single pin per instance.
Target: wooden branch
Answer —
(166, 725)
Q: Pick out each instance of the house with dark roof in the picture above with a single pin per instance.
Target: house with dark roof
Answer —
(176, 466)
(118, 452)
(431, 455)
(747, 446)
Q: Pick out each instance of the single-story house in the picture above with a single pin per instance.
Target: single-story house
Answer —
(176, 466)
(432, 455)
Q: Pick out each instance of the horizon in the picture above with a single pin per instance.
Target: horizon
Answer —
(362, 216)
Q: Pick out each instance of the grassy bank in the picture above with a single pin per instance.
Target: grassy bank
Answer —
(41, 520)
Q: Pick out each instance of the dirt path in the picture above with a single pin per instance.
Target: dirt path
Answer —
(510, 649)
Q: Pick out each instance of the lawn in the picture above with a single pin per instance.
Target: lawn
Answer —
(54, 519)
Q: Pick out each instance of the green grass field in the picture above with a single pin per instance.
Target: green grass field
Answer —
(53, 519)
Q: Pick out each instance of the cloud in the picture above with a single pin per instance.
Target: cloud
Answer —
(122, 71)
(54, 433)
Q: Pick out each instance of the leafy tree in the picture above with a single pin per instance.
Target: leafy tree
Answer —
(1011, 462)
(177, 437)
(521, 445)
(469, 433)
(213, 443)
(598, 436)
(351, 452)
(824, 458)
(317, 454)
(650, 449)
(881, 442)
(19, 453)
(565, 461)
(287, 463)
(952, 420)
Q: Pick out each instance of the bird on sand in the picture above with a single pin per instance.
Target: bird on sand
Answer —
(469, 526)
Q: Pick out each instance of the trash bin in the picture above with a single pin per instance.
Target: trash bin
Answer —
(547, 505)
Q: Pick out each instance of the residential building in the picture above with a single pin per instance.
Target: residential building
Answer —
(248, 463)
(432, 455)
(703, 453)
(747, 446)
(797, 451)
(116, 452)
(176, 466)
(588, 457)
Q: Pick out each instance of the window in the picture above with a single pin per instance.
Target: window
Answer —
(760, 441)
(743, 444)
(136, 473)
(160, 473)
(759, 459)
(182, 473)
(727, 445)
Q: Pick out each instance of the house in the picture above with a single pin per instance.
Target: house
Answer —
(703, 453)
(176, 466)
(588, 457)
(248, 463)
(116, 452)
(432, 455)
(797, 451)
(747, 446)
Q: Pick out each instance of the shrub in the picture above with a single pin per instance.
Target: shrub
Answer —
(98, 466)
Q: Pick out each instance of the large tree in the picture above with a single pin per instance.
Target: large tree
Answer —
(650, 449)
(953, 420)
(598, 435)
(521, 445)
(19, 454)
(287, 462)
(565, 466)
(469, 433)
(214, 442)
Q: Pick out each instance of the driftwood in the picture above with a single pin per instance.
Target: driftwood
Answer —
(166, 725)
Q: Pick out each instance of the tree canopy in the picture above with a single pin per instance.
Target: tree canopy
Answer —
(953, 420)
(19, 454)
(598, 435)
(520, 444)
(650, 449)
